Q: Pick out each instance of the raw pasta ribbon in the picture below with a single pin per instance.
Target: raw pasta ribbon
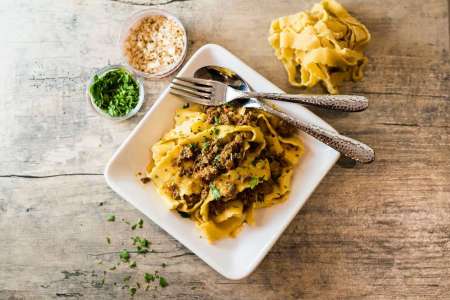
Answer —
(321, 45)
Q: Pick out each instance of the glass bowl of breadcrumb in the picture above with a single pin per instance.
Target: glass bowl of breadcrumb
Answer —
(153, 43)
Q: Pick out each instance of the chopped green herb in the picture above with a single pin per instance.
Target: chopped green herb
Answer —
(108, 240)
(115, 92)
(254, 181)
(133, 227)
(216, 131)
(141, 250)
(216, 120)
(138, 285)
(124, 255)
(127, 278)
(186, 105)
(184, 214)
(132, 291)
(112, 268)
(133, 265)
(216, 159)
(163, 282)
(140, 223)
(163, 265)
(111, 218)
(214, 191)
(205, 145)
(149, 277)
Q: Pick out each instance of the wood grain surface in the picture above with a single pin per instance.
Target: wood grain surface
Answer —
(379, 231)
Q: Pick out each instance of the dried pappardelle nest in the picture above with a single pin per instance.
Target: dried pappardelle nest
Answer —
(321, 45)
(220, 163)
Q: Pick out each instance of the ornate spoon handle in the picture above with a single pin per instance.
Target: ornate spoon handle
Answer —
(345, 145)
(349, 103)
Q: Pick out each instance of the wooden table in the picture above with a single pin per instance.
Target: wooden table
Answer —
(369, 231)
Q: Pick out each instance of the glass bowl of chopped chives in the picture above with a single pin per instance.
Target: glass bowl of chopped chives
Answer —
(115, 92)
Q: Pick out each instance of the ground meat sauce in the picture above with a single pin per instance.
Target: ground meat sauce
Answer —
(209, 160)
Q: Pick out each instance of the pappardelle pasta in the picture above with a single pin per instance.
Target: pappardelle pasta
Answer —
(220, 163)
(321, 45)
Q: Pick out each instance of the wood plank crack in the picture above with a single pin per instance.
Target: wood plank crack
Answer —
(48, 176)
(412, 125)
(130, 2)
(444, 97)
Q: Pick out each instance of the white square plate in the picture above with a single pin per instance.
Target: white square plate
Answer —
(233, 258)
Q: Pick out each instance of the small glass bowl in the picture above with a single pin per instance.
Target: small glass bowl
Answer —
(103, 71)
(133, 20)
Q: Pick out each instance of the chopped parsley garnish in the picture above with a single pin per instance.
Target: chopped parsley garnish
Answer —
(216, 131)
(214, 191)
(193, 147)
(205, 145)
(124, 255)
(254, 181)
(115, 92)
(111, 218)
(216, 120)
(142, 246)
(149, 277)
(216, 159)
(133, 227)
(163, 282)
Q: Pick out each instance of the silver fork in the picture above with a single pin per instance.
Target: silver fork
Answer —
(203, 92)
(218, 93)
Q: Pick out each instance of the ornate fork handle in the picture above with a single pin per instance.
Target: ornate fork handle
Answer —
(336, 102)
(345, 145)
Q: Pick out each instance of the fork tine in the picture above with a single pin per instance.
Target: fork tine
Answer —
(189, 96)
(191, 90)
(196, 80)
(191, 86)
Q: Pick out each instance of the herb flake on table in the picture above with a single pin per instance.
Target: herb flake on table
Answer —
(124, 255)
(163, 282)
(149, 277)
(111, 218)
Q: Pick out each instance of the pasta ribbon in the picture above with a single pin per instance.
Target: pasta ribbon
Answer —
(321, 45)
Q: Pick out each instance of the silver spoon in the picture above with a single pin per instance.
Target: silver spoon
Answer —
(349, 103)
(347, 146)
